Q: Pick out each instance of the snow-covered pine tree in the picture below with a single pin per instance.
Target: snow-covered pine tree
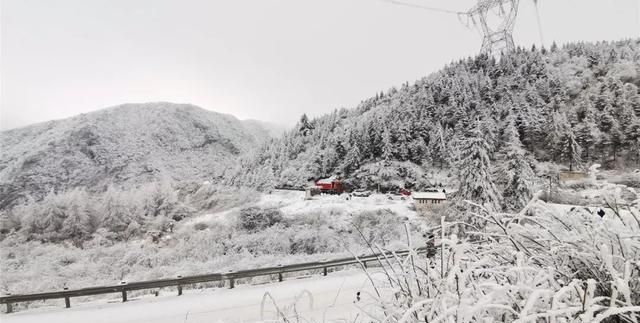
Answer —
(352, 159)
(588, 134)
(555, 134)
(633, 139)
(305, 126)
(474, 170)
(438, 148)
(570, 150)
(515, 170)
(387, 145)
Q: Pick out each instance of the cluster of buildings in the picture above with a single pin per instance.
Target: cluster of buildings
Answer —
(424, 201)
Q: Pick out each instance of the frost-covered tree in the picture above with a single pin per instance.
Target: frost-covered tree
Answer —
(438, 148)
(306, 127)
(515, 170)
(79, 223)
(351, 160)
(160, 199)
(633, 139)
(588, 134)
(115, 210)
(474, 170)
(570, 150)
(555, 135)
(387, 145)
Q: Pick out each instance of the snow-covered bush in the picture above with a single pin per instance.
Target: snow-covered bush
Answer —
(381, 226)
(124, 214)
(30, 266)
(542, 267)
(254, 219)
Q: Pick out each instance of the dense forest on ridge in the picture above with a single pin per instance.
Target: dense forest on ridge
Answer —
(491, 119)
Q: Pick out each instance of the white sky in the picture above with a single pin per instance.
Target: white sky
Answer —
(270, 60)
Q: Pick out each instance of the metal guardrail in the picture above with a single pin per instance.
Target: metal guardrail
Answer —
(179, 282)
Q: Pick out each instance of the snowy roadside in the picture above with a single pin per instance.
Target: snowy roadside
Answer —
(332, 298)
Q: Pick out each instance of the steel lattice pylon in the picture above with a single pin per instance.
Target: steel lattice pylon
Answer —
(499, 38)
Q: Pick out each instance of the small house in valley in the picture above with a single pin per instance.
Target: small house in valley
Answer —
(426, 200)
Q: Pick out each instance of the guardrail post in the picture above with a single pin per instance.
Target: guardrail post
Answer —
(179, 287)
(365, 264)
(232, 281)
(9, 308)
(324, 271)
(67, 301)
(280, 278)
(124, 291)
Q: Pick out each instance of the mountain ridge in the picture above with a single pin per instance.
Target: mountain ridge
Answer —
(128, 144)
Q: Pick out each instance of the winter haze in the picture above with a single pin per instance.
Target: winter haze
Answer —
(245, 57)
(337, 161)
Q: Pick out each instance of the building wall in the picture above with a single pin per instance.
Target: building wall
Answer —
(569, 176)
(427, 204)
(431, 212)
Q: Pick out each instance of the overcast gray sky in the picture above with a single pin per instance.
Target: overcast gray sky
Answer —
(270, 60)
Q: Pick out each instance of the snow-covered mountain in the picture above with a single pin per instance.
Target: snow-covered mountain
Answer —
(128, 144)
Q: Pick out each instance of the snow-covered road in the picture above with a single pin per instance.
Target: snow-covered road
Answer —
(333, 299)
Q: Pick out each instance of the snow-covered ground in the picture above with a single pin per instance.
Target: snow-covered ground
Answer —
(333, 298)
(292, 203)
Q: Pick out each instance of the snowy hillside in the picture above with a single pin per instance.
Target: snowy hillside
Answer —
(128, 144)
(573, 106)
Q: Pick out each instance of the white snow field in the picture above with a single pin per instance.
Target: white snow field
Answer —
(333, 298)
(292, 203)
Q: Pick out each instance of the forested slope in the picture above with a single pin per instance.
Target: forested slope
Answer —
(489, 119)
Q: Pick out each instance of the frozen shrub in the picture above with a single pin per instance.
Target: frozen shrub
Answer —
(254, 219)
(310, 240)
(380, 226)
(543, 267)
(273, 240)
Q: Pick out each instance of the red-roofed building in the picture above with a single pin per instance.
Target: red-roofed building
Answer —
(331, 185)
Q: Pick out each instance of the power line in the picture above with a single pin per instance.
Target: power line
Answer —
(495, 38)
(419, 6)
(535, 3)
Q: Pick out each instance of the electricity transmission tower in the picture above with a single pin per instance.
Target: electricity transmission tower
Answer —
(497, 38)
(497, 35)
